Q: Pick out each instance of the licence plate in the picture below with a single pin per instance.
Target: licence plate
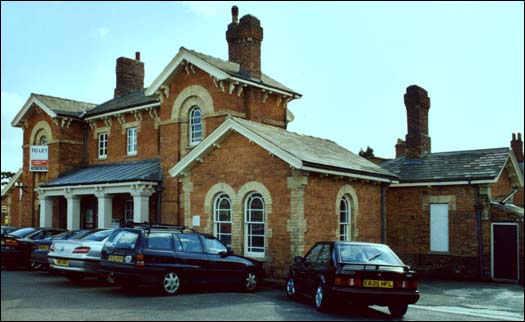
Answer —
(378, 283)
(62, 262)
(43, 247)
(116, 258)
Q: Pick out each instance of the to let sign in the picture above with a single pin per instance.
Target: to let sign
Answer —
(38, 158)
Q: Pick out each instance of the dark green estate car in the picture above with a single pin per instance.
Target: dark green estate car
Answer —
(334, 273)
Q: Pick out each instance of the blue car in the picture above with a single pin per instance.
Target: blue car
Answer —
(41, 247)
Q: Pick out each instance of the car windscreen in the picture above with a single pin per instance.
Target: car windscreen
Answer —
(124, 239)
(368, 254)
(22, 232)
(98, 235)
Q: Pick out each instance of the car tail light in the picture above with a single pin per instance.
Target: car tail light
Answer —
(12, 243)
(341, 281)
(33, 247)
(139, 260)
(355, 282)
(412, 284)
(81, 250)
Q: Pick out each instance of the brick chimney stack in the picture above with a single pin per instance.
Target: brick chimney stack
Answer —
(517, 146)
(244, 43)
(130, 75)
(400, 148)
(417, 105)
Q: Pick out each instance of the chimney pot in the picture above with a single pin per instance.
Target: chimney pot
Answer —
(137, 55)
(235, 14)
(517, 147)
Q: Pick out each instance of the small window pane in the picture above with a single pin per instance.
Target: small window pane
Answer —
(190, 243)
(159, 241)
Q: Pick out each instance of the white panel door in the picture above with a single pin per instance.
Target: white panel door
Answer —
(439, 227)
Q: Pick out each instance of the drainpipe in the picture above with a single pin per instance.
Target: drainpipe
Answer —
(159, 190)
(478, 208)
(383, 215)
(84, 149)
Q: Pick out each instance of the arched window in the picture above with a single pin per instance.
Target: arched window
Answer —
(195, 126)
(254, 225)
(344, 219)
(42, 140)
(222, 215)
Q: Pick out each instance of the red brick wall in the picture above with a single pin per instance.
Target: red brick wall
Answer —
(12, 202)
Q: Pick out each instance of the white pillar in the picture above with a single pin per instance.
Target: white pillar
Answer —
(141, 206)
(105, 209)
(46, 211)
(73, 212)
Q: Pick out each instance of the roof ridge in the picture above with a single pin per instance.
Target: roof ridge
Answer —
(476, 150)
(61, 98)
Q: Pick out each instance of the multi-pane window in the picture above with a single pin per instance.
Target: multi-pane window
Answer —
(132, 141)
(222, 213)
(344, 219)
(128, 211)
(195, 126)
(254, 225)
(102, 145)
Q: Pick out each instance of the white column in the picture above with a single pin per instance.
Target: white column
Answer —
(46, 211)
(105, 209)
(73, 212)
(141, 206)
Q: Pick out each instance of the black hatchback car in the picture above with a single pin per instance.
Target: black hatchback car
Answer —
(172, 256)
(334, 273)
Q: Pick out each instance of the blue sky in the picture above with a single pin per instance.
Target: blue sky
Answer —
(351, 61)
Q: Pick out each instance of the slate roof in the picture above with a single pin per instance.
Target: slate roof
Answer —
(484, 164)
(233, 69)
(128, 100)
(315, 152)
(144, 170)
(63, 106)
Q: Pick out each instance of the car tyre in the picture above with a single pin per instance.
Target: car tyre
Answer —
(291, 288)
(249, 282)
(170, 283)
(75, 277)
(321, 298)
(398, 310)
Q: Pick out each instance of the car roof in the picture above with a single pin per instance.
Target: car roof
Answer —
(356, 243)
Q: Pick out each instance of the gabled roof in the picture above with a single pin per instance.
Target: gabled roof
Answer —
(300, 151)
(128, 100)
(457, 166)
(11, 182)
(144, 170)
(218, 68)
(508, 207)
(53, 106)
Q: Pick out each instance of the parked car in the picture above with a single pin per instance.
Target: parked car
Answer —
(18, 245)
(78, 258)
(41, 247)
(172, 256)
(7, 229)
(334, 273)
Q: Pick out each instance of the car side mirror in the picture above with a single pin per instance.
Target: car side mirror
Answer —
(298, 259)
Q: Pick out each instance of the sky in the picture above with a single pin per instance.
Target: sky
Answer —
(351, 61)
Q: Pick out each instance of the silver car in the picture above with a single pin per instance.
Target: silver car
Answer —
(78, 258)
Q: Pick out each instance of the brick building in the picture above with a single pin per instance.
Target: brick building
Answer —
(450, 207)
(205, 145)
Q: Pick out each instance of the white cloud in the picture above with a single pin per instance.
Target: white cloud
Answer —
(100, 32)
(206, 9)
(12, 137)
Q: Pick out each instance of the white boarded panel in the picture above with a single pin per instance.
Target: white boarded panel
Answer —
(439, 227)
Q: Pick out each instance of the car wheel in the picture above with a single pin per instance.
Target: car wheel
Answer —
(321, 298)
(398, 310)
(249, 282)
(291, 290)
(170, 283)
(75, 277)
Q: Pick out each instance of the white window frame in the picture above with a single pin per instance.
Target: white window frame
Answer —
(248, 250)
(195, 136)
(132, 146)
(216, 215)
(439, 228)
(345, 225)
(103, 145)
(128, 210)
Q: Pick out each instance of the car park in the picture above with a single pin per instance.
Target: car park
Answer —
(78, 258)
(18, 245)
(336, 273)
(172, 256)
(41, 247)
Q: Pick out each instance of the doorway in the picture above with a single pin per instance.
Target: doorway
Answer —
(505, 251)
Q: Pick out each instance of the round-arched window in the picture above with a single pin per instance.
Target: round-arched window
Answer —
(344, 219)
(254, 225)
(42, 140)
(195, 126)
(222, 213)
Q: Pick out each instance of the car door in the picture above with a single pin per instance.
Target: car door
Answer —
(222, 269)
(321, 267)
(304, 270)
(193, 261)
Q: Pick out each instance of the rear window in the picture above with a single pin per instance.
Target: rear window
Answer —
(98, 235)
(162, 241)
(125, 239)
(368, 254)
(22, 232)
